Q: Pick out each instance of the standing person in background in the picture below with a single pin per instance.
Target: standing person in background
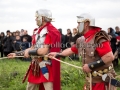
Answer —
(25, 34)
(68, 38)
(2, 36)
(7, 43)
(17, 32)
(25, 44)
(17, 43)
(117, 30)
(22, 32)
(62, 39)
(113, 41)
(14, 36)
(75, 36)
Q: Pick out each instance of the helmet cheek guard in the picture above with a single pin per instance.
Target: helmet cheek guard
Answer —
(84, 18)
(47, 14)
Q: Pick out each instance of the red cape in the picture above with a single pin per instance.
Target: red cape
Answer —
(56, 39)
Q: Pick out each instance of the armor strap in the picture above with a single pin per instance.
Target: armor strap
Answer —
(33, 52)
(58, 55)
(96, 64)
(20, 53)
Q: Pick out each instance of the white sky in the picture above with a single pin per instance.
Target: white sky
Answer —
(20, 14)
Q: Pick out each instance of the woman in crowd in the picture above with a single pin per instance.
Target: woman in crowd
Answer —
(2, 36)
(113, 36)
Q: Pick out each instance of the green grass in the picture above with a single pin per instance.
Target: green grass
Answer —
(71, 78)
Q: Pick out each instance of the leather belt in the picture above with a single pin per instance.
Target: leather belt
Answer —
(102, 71)
(40, 58)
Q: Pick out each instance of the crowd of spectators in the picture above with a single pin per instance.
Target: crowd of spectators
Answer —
(14, 41)
(20, 40)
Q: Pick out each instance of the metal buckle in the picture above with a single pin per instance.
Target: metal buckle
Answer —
(101, 71)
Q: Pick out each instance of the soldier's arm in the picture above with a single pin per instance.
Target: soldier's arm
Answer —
(21, 53)
(106, 55)
(66, 52)
(44, 49)
(39, 51)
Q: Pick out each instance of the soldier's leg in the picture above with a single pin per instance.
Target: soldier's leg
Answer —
(48, 85)
(31, 86)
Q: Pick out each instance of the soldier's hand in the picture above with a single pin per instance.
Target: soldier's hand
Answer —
(86, 68)
(52, 54)
(11, 55)
(26, 53)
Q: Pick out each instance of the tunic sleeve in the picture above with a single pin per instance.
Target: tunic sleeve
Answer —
(74, 49)
(47, 39)
(104, 48)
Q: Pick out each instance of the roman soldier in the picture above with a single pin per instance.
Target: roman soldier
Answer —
(43, 72)
(94, 48)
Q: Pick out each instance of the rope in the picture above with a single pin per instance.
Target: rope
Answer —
(8, 58)
(67, 63)
(52, 58)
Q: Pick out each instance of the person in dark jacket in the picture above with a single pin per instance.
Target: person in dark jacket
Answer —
(7, 43)
(68, 38)
(117, 30)
(17, 44)
(113, 41)
(2, 36)
(25, 44)
(74, 37)
(62, 39)
(25, 34)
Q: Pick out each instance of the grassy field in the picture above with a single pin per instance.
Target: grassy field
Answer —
(12, 72)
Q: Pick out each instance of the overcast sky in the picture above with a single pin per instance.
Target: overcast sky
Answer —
(20, 14)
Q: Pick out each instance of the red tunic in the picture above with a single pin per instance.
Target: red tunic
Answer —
(100, 50)
(41, 78)
(53, 36)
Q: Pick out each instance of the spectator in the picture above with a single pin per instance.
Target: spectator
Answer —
(117, 30)
(2, 36)
(25, 34)
(68, 38)
(7, 43)
(17, 33)
(16, 44)
(21, 32)
(25, 44)
(62, 39)
(113, 40)
(74, 37)
(14, 34)
(118, 47)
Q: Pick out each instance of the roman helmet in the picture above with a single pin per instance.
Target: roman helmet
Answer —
(84, 18)
(43, 13)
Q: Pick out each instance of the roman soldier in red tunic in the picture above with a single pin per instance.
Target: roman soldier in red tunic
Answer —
(43, 72)
(94, 48)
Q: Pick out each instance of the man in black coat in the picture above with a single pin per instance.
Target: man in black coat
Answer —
(63, 46)
(117, 30)
(25, 34)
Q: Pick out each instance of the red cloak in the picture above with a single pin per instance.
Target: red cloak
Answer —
(56, 39)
